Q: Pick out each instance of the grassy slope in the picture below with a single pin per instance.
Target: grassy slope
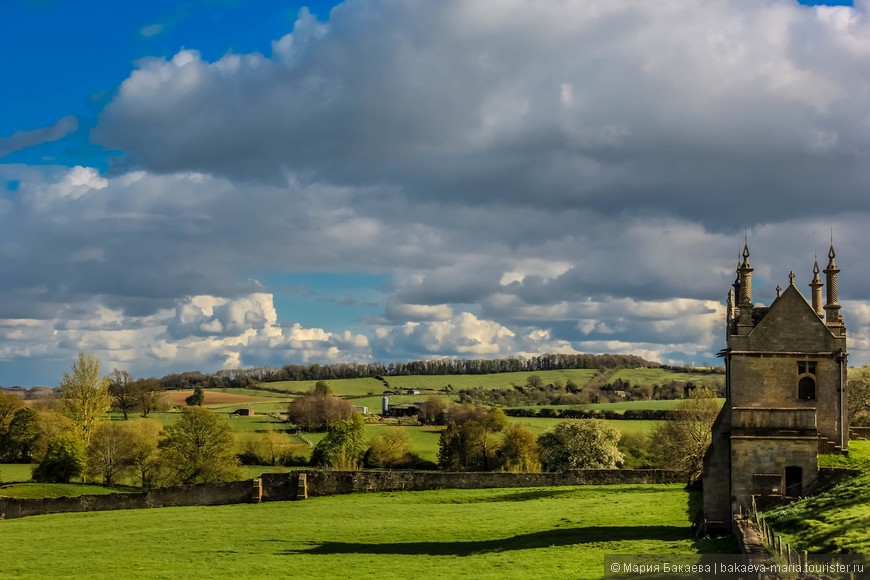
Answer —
(835, 521)
(503, 533)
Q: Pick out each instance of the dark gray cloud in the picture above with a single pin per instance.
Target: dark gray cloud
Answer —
(607, 106)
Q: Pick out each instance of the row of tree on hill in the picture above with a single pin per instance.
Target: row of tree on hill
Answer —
(243, 378)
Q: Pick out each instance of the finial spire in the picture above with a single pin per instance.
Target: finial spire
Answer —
(816, 290)
(832, 308)
(791, 278)
(778, 290)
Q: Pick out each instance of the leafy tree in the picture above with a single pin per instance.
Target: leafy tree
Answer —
(534, 382)
(322, 388)
(519, 451)
(684, 438)
(86, 398)
(198, 449)
(344, 445)
(313, 412)
(269, 448)
(109, 453)
(196, 399)
(639, 452)
(124, 396)
(858, 396)
(580, 444)
(9, 404)
(148, 394)
(18, 438)
(468, 443)
(392, 448)
(144, 435)
(64, 460)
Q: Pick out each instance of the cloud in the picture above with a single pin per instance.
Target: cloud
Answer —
(546, 176)
(612, 106)
(24, 139)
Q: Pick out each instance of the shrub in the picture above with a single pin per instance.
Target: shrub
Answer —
(64, 460)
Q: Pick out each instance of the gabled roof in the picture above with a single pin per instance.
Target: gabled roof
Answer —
(790, 324)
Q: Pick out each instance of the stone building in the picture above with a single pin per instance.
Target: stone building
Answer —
(785, 380)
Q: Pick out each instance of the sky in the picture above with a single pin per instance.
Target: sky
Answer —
(211, 184)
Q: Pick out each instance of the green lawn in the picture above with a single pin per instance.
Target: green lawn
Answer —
(662, 376)
(12, 472)
(340, 387)
(837, 520)
(496, 533)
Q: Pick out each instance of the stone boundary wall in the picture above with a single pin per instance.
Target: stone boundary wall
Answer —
(284, 486)
(182, 495)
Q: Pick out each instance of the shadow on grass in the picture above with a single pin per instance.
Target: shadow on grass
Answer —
(509, 497)
(544, 539)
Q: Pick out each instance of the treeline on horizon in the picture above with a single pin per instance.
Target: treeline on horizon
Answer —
(251, 377)
(242, 378)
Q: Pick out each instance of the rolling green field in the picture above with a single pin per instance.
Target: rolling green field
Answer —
(662, 376)
(561, 532)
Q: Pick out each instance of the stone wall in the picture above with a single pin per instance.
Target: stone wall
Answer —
(183, 495)
(320, 483)
(283, 487)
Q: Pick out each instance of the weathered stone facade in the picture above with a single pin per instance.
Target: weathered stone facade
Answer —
(785, 383)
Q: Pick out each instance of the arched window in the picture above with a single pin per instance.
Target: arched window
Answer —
(807, 389)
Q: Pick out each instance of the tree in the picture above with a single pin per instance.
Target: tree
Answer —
(198, 449)
(109, 453)
(392, 448)
(86, 398)
(124, 395)
(519, 451)
(685, 436)
(148, 392)
(196, 399)
(580, 444)
(9, 404)
(468, 442)
(313, 412)
(322, 388)
(64, 460)
(145, 435)
(344, 445)
(269, 448)
(858, 396)
(18, 438)
(433, 411)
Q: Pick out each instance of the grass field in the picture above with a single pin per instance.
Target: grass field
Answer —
(429, 384)
(662, 376)
(495, 533)
(835, 521)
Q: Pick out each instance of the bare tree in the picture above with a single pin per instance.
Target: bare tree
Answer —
(124, 395)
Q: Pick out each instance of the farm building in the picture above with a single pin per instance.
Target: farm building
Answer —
(785, 381)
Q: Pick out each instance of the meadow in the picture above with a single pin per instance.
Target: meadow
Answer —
(559, 532)
(432, 383)
(836, 520)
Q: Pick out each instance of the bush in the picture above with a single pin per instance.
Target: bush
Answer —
(64, 460)
(580, 444)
